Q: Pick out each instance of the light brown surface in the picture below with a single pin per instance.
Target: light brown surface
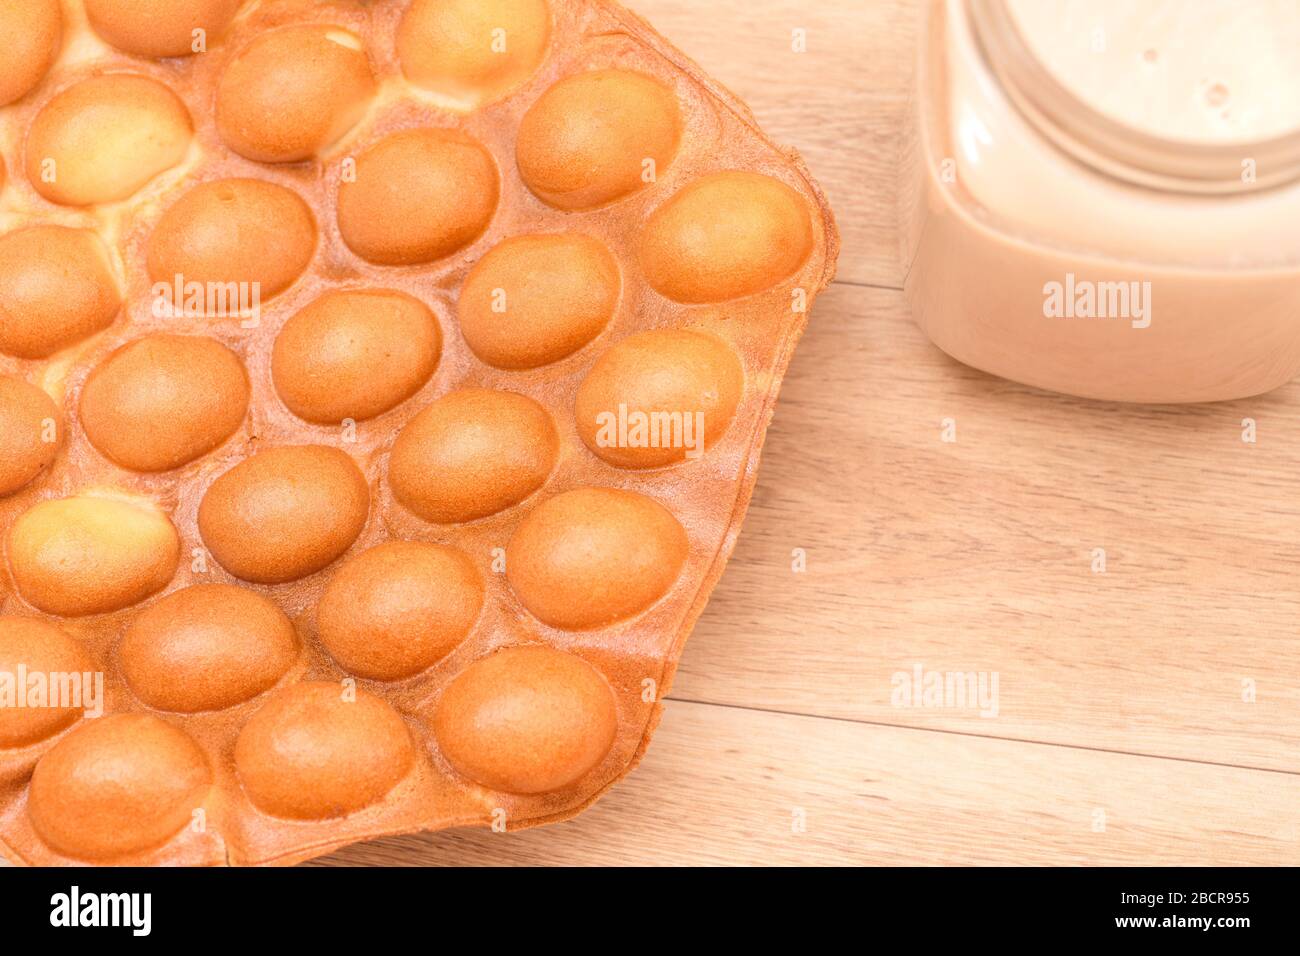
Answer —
(1121, 694)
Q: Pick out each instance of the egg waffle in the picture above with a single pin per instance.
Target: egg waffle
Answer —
(382, 388)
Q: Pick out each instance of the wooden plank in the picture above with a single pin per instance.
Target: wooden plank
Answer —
(725, 786)
(977, 555)
(974, 556)
(840, 103)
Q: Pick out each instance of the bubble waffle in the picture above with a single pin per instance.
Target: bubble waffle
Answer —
(384, 546)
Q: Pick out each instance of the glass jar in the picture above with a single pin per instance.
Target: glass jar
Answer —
(1102, 197)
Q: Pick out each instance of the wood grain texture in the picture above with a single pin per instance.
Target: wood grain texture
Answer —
(977, 555)
(1162, 693)
(723, 786)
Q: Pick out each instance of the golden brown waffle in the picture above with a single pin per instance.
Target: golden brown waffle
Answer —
(333, 358)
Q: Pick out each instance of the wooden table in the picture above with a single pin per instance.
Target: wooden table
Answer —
(1147, 714)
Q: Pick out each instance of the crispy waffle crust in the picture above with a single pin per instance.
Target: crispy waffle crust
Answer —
(390, 548)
